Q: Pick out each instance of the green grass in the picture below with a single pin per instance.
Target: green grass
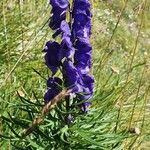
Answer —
(121, 66)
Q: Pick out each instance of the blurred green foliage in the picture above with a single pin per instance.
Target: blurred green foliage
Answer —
(119, 117)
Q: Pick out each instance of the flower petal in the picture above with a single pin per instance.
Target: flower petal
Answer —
(52, 56)
(54, 88)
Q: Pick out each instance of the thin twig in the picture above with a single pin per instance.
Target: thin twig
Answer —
(45, 110)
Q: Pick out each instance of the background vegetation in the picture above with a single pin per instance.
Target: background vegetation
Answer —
(119, 117)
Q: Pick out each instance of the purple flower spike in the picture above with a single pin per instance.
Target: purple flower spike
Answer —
(73, 55)
(81, 31)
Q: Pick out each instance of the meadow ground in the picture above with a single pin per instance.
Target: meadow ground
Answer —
(119, 117)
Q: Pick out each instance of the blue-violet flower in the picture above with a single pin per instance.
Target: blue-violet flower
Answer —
(73, 54)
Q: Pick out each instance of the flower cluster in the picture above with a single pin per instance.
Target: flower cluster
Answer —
(72, 55)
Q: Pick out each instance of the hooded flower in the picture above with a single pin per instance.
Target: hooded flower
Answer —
(82, 56)
(59, 3)
(81, 4)
(83, 45)
(71, 77)
(59, 8)
(54, 88)
(52, 56)
(83, 62)
(87, 85)
(66, 45)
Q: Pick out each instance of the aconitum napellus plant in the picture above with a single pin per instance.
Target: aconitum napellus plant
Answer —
(72, 55)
